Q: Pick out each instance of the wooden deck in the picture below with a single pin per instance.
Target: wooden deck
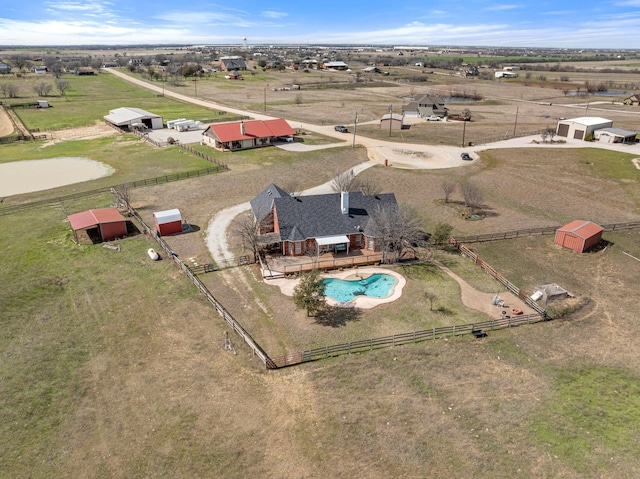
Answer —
(285, 265)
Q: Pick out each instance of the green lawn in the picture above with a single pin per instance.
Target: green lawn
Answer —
(131, 159)
(90, 98)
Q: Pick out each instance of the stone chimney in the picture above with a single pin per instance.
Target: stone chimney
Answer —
(344, 202)
(242, 127)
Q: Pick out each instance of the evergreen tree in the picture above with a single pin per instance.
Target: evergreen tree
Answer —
(309, 293)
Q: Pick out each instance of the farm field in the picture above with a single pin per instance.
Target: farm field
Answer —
(115, 365)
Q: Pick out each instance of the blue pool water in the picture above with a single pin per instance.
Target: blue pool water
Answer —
(377, 285)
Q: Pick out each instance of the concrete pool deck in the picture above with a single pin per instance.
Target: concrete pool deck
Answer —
(287, 285)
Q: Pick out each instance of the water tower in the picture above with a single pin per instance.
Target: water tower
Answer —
(244, 42)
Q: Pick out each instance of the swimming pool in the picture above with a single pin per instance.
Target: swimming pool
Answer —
(377, 285)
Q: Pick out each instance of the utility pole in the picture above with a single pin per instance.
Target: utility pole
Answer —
(195, 85)
(515, 123)
(464, 130)
(265, 98)
(390, 117)
(355, 126)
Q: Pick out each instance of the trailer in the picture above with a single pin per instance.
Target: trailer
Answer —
(187, 125)
(171, 123)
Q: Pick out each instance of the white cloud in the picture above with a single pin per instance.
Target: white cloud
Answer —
(273, 14)
(499, 8)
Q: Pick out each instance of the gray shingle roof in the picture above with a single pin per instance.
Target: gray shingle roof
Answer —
(316, 216)
(261, 204)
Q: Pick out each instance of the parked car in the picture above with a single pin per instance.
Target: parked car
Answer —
(341, 129)
(433, 118)
(466, 156)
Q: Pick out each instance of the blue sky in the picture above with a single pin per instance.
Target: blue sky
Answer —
(562, 24)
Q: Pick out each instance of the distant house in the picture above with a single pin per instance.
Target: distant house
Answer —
(424, 106)
(505, 74)
(85, 71)
(40, 70)
(242, 135)
(131, 118)
(371, 70)
(317, 224)
(4, 69)
(581, 128)
(393, 121)
(336, 65)
(633, 100)
(232, 63)
(137, 62)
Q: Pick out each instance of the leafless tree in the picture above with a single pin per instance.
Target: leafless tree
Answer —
(368, 187)
(345, 181)
(398, 230)
(466, 114)
(548, 134)
(472, 196)
(43, 88)
(123, 193)
(298, 99)
(244, 229)
(448, 187)
(20, 61)
(431, 297)
(63, 86)
(9, 90)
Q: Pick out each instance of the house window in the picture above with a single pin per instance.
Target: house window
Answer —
(370, 243)
(298, 247)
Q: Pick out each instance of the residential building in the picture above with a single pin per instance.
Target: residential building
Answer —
(317, 224)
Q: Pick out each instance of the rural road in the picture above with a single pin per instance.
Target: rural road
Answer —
(405, 155)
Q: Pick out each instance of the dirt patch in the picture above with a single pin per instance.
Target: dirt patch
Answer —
(98, 130)
(6, 127)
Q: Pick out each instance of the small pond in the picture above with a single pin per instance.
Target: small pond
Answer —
(18, 177)
(377, 285)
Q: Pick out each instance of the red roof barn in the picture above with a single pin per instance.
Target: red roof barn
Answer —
(168, 222)
(107, 222)
(578, 235)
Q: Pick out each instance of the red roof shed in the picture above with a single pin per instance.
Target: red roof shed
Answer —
(109, 221)
(578, 235)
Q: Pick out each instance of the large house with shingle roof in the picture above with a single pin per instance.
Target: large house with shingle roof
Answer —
(242, 135)
(317, 224)
(424, 106)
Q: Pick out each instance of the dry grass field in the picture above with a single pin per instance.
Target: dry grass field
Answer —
(113, 366)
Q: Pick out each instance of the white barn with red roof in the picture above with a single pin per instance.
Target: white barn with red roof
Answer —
(242, 135)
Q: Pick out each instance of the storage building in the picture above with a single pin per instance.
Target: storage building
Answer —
(104, 224)
(578, 235)
(168, 222)
(128, 117)
(581, 128)
(392, 121)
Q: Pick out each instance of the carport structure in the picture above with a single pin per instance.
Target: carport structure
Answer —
(106, 223)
